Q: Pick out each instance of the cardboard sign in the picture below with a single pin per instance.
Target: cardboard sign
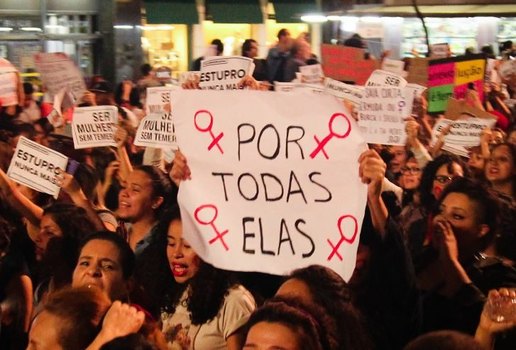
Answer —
(312, 74)
(418, 71)
(274, 180)
(36, 166)
(59, 72)
(224, 73)
(8, 83)
(346, 64)
(347, 92)
(94, 126)
(284, 87)
(450, 77)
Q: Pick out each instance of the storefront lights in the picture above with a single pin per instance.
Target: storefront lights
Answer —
(123, 26)
(31, 29)
(314, 18)
(157, 27)
(5, 29)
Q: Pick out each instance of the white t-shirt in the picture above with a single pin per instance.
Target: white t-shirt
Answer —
(181, 334)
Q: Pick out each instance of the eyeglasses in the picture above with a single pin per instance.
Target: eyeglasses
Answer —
(410, 170)
(443, 179)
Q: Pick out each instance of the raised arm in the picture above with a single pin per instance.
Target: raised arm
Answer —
(372, 172)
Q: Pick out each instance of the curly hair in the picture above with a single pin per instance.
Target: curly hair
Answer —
(62, 252)
(206, 290)
(307, 323)
(329, 291)
(485, 203)
(427, 178)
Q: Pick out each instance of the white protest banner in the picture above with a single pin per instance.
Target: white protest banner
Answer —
(347, 92)
(394, 66)
(157, 128)
(381, 115)
(59, 72)
(94, 126)
(416, 89)
(464, 131)
(274, 179)
(36, 166)
(224, 73)
(311, 74)
(383, 78)
(313, 88)
(8, 83)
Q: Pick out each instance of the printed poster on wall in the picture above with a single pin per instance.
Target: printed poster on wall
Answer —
(94, 126)
(275, 181)
(8, 83)
(36, 166)
(451, 77)
(59, 72)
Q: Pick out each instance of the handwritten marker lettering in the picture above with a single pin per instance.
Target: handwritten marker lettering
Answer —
(215, 139)
(335, 247)
(333, 133)
(219, 235)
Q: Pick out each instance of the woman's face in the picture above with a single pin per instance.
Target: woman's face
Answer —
(271, 336)
(512, 137)
(184, 262)
(48, 229)
(462, 213)
(399, 158)
(99, 266)
(500, 165)
(410, 175)
(136, 201)
(443, 177)
(44, 332)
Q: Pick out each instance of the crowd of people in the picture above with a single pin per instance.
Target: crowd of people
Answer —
(106, 265)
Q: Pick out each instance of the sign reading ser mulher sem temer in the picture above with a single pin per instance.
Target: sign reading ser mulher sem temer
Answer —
(275, 181)
(94, 126)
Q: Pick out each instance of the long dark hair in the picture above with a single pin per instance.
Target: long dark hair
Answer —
(207, 289)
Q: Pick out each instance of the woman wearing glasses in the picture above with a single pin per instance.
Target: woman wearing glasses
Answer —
(435, 177)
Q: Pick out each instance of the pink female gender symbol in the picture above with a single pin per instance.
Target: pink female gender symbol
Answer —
(321, 144)
(219, 235)
(208, 129)
(335, 248)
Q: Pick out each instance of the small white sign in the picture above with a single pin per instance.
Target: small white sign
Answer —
(312, 74)
(348, 92)
(224, 73)
(36, 166)
(94, 126)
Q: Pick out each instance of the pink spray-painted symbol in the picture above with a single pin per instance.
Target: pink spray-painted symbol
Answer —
(333, 133)
(335, 247)
(219, 235)
(208, 129)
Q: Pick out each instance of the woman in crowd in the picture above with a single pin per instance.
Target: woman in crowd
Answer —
(320, 286)
(208, 309)
(460, 273)
(436, 176)
(500, 170)
(146, 193)
(281, 325)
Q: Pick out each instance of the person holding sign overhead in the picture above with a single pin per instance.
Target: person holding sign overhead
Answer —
(208, 309)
